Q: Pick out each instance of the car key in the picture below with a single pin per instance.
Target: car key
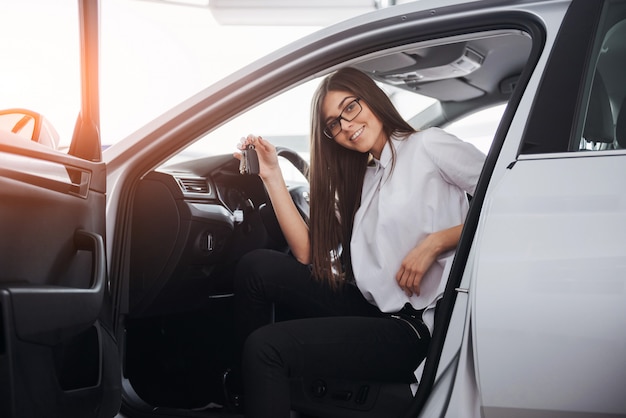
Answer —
(249, 163)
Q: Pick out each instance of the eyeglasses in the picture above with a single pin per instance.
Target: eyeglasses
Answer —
(351, 111)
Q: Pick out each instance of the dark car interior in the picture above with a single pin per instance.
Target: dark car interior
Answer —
(193, 220)
(605, 121)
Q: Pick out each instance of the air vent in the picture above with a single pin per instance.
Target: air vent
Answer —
(194, 185)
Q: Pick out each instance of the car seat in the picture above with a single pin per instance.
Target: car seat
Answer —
(620, 126)
(599, 131)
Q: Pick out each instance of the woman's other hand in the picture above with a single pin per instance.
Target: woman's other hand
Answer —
(414, 266)
(421, 258)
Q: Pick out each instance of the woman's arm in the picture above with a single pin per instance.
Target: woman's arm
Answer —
(294, 228)
(459, 163)
(420, 258)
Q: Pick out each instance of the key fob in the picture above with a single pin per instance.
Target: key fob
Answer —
(249, 163)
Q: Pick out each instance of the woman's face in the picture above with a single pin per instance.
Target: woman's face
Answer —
(364, 133)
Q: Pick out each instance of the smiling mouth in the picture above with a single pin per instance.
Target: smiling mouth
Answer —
(356, 134)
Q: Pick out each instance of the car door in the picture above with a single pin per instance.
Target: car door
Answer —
(58, 357)
(549, 308)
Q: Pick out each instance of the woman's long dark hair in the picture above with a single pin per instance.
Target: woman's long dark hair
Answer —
(337, 174)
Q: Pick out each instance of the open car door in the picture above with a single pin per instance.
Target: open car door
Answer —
(58, 356)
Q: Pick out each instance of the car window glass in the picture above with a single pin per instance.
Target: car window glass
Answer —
(155, 55)
(551, 123)
(40, 69)
(604, 126)
(478, 128)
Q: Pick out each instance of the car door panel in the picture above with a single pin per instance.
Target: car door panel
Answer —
(61, 311)
(57, 356)
(552, 247)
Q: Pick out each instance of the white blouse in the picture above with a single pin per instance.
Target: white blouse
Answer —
(425, 192)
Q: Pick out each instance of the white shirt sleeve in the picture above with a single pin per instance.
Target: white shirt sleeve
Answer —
(457, 160)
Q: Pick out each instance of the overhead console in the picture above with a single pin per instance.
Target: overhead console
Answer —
(453, 69)
(435, 63)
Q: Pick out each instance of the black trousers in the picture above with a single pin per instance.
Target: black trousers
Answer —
(319, 332)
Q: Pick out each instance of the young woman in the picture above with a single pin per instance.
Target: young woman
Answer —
(363, 279)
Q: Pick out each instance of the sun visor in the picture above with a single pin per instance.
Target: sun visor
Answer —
(386, 65)
(448, 90)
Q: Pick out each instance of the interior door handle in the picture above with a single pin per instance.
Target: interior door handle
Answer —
(89, 241)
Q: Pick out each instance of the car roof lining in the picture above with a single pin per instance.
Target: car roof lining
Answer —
(499, 55)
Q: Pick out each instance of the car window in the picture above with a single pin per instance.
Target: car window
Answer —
(550, 126)
(604, 117)
(478, 128)
(40, 79)
(582, 90)
(157, 54)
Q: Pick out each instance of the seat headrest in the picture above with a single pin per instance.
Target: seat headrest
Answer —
(599, 123)
(620, 126)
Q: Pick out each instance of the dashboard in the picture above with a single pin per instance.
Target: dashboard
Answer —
(191, 223)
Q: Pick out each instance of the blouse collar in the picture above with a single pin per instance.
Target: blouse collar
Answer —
(385, 157)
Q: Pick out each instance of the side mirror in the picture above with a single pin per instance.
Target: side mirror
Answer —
(29, 125)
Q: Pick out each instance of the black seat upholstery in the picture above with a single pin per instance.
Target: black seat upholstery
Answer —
(620, 126)
(599, 130)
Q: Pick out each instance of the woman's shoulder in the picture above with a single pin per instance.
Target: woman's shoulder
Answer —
(428, 134)
(426, 138)
(435, 134)
(440, 147)
(447, 150)
(436, 140)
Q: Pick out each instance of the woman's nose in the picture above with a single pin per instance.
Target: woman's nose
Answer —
(344, 123)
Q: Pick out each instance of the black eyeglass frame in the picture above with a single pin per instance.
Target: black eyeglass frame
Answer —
(338, 119)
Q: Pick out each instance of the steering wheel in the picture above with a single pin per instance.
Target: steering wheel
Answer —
(294, 158)
(299, 195)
